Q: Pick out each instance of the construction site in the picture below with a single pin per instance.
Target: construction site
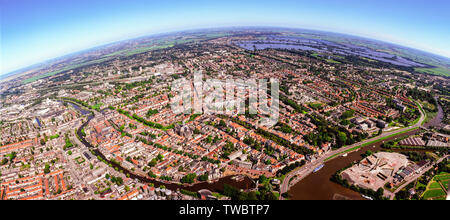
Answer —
(376, 170)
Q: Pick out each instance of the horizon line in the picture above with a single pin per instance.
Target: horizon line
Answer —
(206, 28)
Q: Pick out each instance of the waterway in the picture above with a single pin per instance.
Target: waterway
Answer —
(78, 108)
(240, 182)
(318, 186)
(39, 122)
(437, 121)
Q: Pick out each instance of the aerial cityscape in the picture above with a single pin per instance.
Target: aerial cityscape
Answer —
(236, 112)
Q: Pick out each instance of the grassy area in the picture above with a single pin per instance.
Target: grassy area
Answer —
(97, 106)
(423, 111)
(70, 67)
(36, 78)
(430, 116)
(332, 61)
(369, 143)
(428, 105)
(54, 136)
(433, 193)
(435, 185)
(316, 55)
(370, 60)
(434, 189)
(146, 49)
(440, 71)
(315, 105)
(158, 45)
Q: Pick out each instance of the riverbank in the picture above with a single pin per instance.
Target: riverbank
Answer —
(245, 183)
(318, 186)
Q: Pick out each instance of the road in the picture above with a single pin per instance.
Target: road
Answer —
(143, 177)
(413, 178)
(306, 170)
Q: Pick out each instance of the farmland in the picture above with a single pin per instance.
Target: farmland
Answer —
(440, 71)
(437, 188)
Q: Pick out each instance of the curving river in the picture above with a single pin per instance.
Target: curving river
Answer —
(243, 182)
(437, 121)
(318, 186)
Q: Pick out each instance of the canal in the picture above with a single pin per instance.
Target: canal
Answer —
(318, 186)
(436, 121)
(240, 182)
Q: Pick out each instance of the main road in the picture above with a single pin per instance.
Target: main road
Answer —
(309, 168)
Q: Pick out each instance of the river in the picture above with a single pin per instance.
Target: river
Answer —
(318, 186)
(436, 121)
(240, 182)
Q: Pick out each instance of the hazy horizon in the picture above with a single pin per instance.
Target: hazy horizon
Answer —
(31, 37)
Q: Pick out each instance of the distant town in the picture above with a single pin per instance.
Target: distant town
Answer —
(99, 125)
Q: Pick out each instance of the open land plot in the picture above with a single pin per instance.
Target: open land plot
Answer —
(437, 188)
(435, 71)
(375, 171)
(434, 193)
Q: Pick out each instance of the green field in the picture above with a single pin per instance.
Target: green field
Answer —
(315, 105)
(54, 136)
(430, 194)
(435, 185)
(445, 183)
(316, 55)
(440, 71)
(434, 189)
(146, 49)
(70, 67)
(158, 45)
(333, 61)
(97, 106)
(162, 44)
(370, 60)
(442, 177)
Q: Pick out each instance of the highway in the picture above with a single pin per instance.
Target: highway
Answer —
(308, 169)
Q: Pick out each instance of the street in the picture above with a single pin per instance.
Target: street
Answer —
(307, 169)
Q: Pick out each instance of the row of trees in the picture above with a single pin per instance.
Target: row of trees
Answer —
(273, 137)
(236, 194)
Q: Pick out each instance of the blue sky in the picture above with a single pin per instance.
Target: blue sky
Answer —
(33, 31)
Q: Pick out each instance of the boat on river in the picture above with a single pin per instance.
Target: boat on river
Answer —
(318, 168)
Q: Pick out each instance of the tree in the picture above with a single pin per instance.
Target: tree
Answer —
(348, 114)
(203, 177)
(189, 178)
(47, 168)
(252, 196)
(152, 163)
(380, 193)
(342, 138)
(262, 178)
(4, 161)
